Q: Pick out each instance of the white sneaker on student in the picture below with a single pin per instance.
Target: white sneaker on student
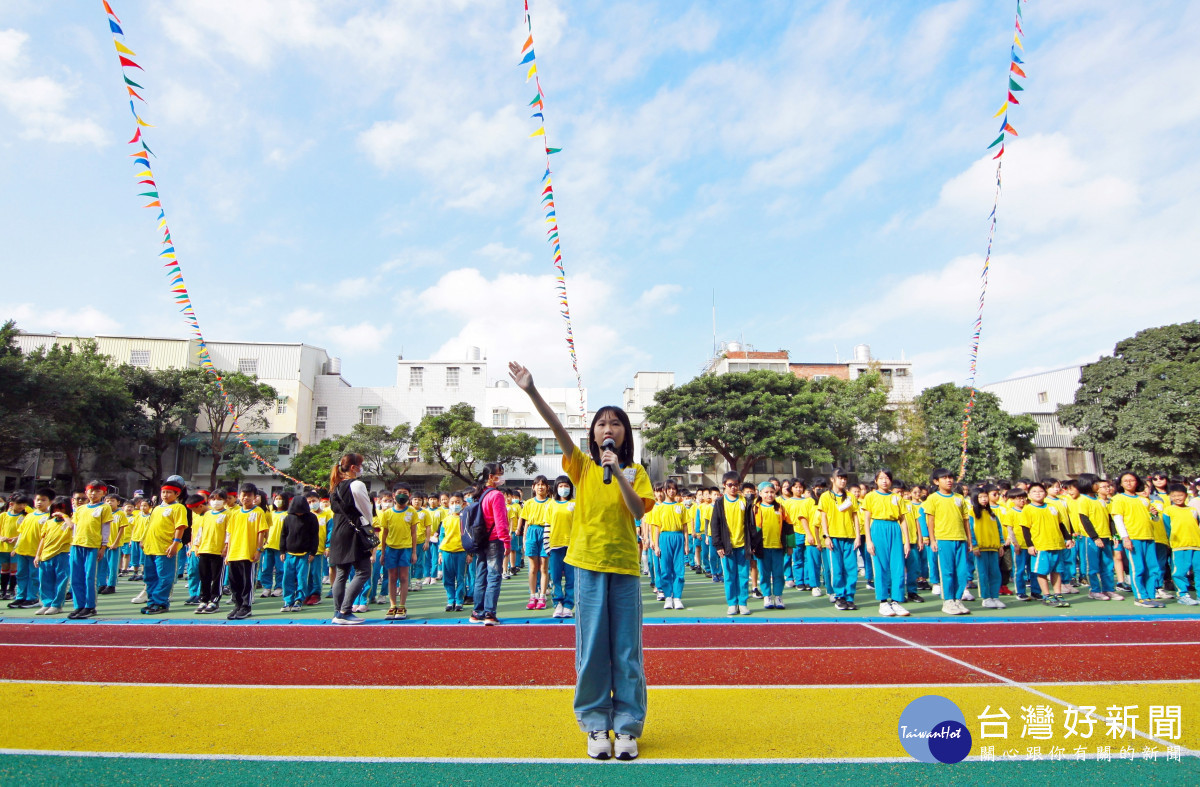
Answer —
(937, 589)
(625, 747)
(779, 603)
(789, 584)
(962, 608)
(885, 609)
(730, 611)
(668, 603)
(679, 603)
(949, 608)
(140, 598)
(1187, 600)
(987, 604)
(558, 611)
(743, 609)
(998, 604)
(966, 596)
(53, 610)
(899, 611)
(568, 613)
(598, 745)
(1162, 594)
(817, 592)
(43, 611)
(768, 602)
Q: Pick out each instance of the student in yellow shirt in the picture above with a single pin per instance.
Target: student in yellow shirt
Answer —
(1184, 524)
(162, 541)
(53, 561)
(989, 545)
(1050, 539)
(730, 517)
(774, 530)
(25, 534)
(1094, 521)
(454, 558)
(320, 564)
(9, 522)
(887, 542)
(1133, 517)
(246, 529)
(270, 572)
(842, 534)
(110, 564)
(794, 571)
(671, 545)
(399, 526)
(559, 516)
(137, 534)
(950, 540)
(89, 546)
(530, 530)
(208, 543)
(610, 688)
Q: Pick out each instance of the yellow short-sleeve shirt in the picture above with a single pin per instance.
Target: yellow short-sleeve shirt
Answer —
(603, 534)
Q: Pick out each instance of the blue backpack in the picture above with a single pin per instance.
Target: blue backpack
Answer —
(473, 527)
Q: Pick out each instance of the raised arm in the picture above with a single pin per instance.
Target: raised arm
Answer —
(524, 380)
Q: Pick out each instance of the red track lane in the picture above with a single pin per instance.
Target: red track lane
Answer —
(828, 635)
(1088, 632)
(1092, 664)
(440, 668)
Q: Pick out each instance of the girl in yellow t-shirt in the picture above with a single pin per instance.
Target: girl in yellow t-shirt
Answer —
(560, 515)
(612, 493)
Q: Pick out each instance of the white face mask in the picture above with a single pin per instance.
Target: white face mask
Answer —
(563, 491)
(456, 508)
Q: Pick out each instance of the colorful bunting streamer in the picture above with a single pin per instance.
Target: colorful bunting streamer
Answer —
(552, 235)
(177, 288)
(1006, 130)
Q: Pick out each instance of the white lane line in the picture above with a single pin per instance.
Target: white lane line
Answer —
(1025, 687)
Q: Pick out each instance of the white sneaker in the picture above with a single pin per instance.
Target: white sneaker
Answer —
(962, 608)
(998, 604)
(53, 610)
(949, 608)
(966, 596)
(899, 611)
(1187, 600)
(626, 747)
(568, 613)
(44, 610)
(558, 611)
(668, 603)
(779, 603)
(140, 598)
(743, 609)
(598, 746)
(817, 592)
(789, 584)
(768, 602)
(1162, 595)
(277, 592)
(679, 603)
(885, 609)
(730, 611)
(937, 590)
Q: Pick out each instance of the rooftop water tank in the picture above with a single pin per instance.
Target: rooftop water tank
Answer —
(335, 366)
(862, 353)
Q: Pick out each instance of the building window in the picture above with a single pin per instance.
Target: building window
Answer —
(368, 416)
(285, 449)
(820, 377)
(549, 446)
(499, 417)
(434, 410)
(451, 376)
(248, 366)
(902, 372)
(476, 371)
(319, 426)
(1043, 397)
(414, 452)
(281, 406)
(886, 374)
(322, 411)
(139, 357)
(416, 376)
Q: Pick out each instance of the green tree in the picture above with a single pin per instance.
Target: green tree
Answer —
(1139, 408)
(168, 402)
(997, 443)
(314, 461)
(17, 419)
(82, 404)
(384, 451)
(250, 401)
(910, 458)
(459, 444)
(857, 415)
(743, 416)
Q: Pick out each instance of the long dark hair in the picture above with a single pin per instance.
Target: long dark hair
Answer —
(976, 491)
(625, 449)
(489, 470)
(341, 470)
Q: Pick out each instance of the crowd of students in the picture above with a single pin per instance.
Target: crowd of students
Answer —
(1028, 541)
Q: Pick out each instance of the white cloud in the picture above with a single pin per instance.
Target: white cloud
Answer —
(81, 321)
(662, 297)
(298, 318)
(502, 255)
(41, 105)
(358, 339)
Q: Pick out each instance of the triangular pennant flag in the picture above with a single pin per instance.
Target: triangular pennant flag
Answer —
(147, 173)
(538, 115)
(109, 11)
(1012, 84)
(124, 49)
(1016, 59)
(554, 150)
(998, 155)
(136, 136)
(129, 81)
(146, 148)
(528, 43)
(113, 26)
(1019, 9)
(541, 132)
(997, 141)
(532, 71)
(149, 194)
(527, 59)
(1017, 41)
(1017, 22)
(536, 99)
(1001, 110)
(142, 160)
(155, 204)
(135, 95)
(1016, 69)
(127, 62)
(1010, 129)
(1012, 99)
(143, 123)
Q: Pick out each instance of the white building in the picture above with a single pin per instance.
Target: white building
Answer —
(1039, 395)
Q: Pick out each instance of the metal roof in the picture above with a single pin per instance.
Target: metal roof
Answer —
(1025, 394)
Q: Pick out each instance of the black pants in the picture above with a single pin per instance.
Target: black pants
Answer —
(210, 577)
(241, 582)
(343, 593)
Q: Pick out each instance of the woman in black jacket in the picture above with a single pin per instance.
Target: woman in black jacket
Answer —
(298, 545)
(352, 510)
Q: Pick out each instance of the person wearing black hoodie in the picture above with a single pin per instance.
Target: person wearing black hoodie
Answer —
(298, 543)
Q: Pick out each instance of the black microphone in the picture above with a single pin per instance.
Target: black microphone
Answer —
(608, 445)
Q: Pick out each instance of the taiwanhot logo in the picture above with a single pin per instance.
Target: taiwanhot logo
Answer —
(934, 729)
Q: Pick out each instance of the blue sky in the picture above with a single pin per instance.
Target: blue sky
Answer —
(359, 176)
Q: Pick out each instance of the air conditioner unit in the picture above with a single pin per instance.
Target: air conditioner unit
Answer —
(518, 422)
(574, 420)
